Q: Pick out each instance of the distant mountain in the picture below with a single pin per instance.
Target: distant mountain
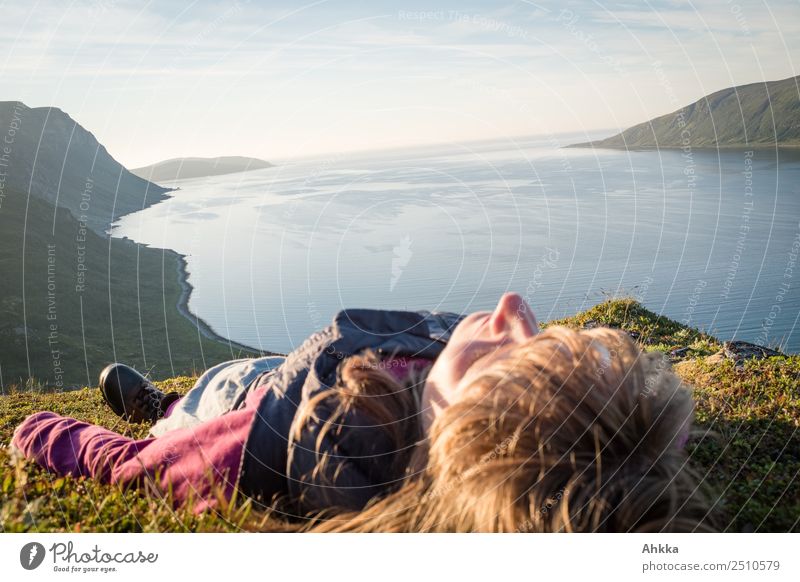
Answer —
(183, 168)
(52, 157)
(759, 114)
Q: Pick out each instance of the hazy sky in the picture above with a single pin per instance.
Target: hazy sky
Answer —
(155, 80)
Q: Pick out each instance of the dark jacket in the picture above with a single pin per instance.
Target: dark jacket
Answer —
(273, 464)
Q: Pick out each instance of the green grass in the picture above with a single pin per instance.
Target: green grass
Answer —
(31, 499)
(747, 446)
(653, 332)
(751, 450)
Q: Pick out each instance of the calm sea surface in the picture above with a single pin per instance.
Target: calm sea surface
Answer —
(708, 239)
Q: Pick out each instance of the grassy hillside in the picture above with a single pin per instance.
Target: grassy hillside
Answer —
(71, 298)
(53, 157)
(71, 301)
(746, 449)
(183, 168)
(759, 114)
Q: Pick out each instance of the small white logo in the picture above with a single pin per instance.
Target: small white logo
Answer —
(31, 555)
(401, 256)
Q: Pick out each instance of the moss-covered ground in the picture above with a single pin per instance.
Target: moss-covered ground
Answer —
(748, 448)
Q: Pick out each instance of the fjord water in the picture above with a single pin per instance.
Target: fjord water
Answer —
(705, 237)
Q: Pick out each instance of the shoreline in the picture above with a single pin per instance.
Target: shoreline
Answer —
(182, 305)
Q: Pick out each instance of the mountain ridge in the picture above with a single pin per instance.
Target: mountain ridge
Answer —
(197, 167)
(51, 156)
(761, 114)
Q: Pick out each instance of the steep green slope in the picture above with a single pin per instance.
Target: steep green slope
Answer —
(72, 301)
(759, 114)
(50, 155)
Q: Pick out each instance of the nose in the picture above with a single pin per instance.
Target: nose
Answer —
(513, 318)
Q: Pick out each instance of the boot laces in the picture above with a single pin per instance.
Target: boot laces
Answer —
(149, 399)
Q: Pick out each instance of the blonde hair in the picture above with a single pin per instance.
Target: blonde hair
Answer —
(572, 431)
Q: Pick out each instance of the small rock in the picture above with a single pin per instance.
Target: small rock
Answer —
(717, 358)
(739, 350)
(678, 354)
(635, 335)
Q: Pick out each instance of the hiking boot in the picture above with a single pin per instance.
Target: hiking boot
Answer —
(132, 396)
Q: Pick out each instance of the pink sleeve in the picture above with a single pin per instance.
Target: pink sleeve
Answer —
(189, 461)
(71, 447)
